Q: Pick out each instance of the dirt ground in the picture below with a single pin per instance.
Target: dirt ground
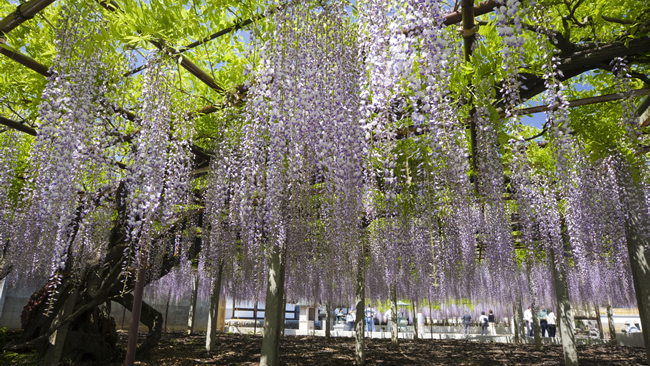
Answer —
(236, 349)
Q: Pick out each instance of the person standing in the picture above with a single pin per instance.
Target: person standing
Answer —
(550, 319)
(370, 318)
(543, 322)
(350, 320)
(483, 321)
(491, 323)
(467, 320)
(528, 317)
(387, 316)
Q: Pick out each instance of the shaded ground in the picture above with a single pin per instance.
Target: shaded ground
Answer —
(178, 349)
(235, 349)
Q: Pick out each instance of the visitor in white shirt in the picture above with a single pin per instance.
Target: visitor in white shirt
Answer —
(528, 317)
(550, 318)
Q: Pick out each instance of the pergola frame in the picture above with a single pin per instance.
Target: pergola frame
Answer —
(590, 58)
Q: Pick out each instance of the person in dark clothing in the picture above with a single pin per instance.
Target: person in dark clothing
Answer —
(491, 323)
(543, 324)
(467, 320)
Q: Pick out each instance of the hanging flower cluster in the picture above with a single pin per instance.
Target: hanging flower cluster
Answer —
(348, 152)
(56, 219)
(158, 178)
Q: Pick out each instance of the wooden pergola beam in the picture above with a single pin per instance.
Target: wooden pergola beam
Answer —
(581, 102)
(188, 65)
(22, 13)
(235, 27)
(480, 9)
(17, 126)
(36, 66)
(23, 59)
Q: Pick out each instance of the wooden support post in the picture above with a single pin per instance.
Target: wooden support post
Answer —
(135, 316)
(469, 36)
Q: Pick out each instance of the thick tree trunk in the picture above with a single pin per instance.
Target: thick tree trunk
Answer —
(151, 318)
(213, 314)
(328, 320)
(359, 300)
(394, 329)
(430, 319)
(284, 313)
(255, 318)
(537, 330)
(599, 321)
(169, 295)
(640, 267)
(195, 290)
(415, 319)
(92, 333)
(515, 323)
(564, 316)
(273, 313)
(57, 340)
(610, 323)
(521, 323)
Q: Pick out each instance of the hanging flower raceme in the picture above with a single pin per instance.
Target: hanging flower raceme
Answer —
(67, 179)
(302, 156)
(158, 174)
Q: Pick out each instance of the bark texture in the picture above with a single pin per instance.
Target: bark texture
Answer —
(195, 290)
(564, 316)
(274, 309)
(610, 323)
(213, 314)
(394, 329)
(360, 325)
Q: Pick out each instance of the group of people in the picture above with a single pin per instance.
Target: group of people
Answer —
(485, 321)
(546, 322)
(369, 314)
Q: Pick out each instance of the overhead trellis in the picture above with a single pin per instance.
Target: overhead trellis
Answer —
(371, 150)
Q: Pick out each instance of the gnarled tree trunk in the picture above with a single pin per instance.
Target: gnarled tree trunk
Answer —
(610, 323)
